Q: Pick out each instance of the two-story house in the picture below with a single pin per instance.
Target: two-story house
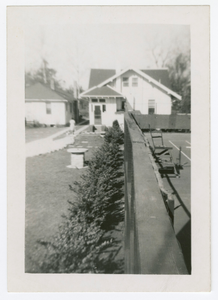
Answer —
(145, 90)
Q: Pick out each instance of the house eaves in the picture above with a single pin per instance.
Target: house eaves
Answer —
(160, 85)
(41, 91)
(104, 82)
(144, 75)
(104, 91)
(46, 100)
(141, 73)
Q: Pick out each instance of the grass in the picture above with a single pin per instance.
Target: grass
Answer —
(47, 192)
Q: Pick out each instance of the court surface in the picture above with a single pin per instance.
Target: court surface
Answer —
(181, 189)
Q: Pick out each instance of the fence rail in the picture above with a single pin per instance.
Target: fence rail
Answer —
(170, 122)
(151, 246)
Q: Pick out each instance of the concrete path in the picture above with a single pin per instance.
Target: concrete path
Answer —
(48, 145)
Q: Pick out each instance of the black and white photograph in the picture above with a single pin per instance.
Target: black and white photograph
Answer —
(109, 126)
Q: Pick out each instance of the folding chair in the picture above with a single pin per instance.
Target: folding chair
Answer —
(162, 154)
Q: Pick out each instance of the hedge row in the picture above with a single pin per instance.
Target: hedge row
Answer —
(84, 242)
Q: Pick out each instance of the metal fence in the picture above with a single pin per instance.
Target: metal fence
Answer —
(167, 122)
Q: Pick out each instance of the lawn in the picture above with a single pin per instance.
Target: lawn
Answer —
(47, 192)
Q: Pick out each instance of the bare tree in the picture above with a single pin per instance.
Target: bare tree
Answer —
(163, 46)
(158, 50)
(166, 51)
(79, 58)
(180, 78)
(160, 56)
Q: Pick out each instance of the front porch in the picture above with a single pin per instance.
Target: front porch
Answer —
(105, 106)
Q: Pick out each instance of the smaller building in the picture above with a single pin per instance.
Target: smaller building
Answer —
(44, 105)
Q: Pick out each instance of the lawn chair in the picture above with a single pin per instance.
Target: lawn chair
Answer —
(162, 154)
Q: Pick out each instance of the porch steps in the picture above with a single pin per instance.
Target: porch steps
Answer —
(98, 128)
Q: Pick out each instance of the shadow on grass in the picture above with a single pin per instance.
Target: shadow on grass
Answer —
(53, 258)
(77, 248)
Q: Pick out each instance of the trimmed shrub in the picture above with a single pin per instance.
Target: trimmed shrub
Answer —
(100, 191)
(76, 248)
(114, 134)
(84, 242)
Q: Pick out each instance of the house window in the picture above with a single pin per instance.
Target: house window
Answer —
(101, 100)
(125, 81)
(48, 108)
(151, 107)
(71, 107)
(151, 111)
(94, 100)
(135, 81)
(104, 107)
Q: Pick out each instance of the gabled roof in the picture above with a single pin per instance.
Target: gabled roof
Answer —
(66, 95)
(161, 75)
(158, 77)
(102, 91)
(99, 75)
(160, 85)
(39, 91)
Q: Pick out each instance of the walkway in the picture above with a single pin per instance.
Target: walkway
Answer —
(52, 143)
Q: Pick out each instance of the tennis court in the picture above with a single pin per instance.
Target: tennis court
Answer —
(181, 188)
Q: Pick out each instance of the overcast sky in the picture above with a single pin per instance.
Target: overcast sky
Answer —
(73, 49)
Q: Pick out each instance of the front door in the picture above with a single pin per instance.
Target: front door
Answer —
(97, 115)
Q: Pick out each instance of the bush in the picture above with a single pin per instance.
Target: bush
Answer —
(100, 191)
(84, 243)
(34, 123)
(114, 134)
(76, 248)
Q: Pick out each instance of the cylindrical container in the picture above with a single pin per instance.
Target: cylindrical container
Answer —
(77, 157)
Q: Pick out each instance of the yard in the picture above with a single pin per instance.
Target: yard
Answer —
(47, 192)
